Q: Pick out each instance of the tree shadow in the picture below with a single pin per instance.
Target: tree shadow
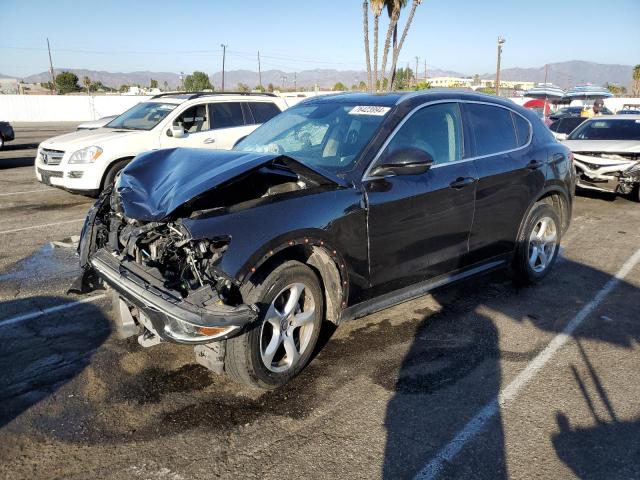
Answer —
(40, 355)
(453, 368)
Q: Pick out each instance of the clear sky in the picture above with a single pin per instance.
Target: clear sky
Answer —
(185, 35)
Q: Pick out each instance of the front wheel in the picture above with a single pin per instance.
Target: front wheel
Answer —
(280, 343)
(538, 245)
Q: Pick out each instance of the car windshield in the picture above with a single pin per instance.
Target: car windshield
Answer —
(329, 136)
(610, 129)
(143, 116)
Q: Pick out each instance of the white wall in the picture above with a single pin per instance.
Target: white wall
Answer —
(60, 108)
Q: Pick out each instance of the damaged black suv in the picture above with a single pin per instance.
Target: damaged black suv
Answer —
(336, 208)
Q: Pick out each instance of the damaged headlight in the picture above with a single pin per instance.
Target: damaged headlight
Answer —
(186, 332)
(86, 155)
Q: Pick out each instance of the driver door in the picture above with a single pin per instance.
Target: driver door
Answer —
(196, 123)
(419, 225)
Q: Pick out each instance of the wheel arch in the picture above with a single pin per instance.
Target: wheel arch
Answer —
(326, 263)
(110, 165)
(558, 199)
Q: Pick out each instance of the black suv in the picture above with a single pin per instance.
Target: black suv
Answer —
(338, 207)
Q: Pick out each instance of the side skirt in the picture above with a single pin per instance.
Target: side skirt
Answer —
(418, 290)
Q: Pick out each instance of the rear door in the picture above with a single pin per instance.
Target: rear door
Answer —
(511, 172)
(419, 224)
(229, 123)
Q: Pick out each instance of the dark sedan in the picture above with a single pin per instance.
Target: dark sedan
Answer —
(6, 133)
(338, 207)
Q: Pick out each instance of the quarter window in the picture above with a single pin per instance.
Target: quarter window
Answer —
(226, 115)
(436, 129)
(492, 128)
(263, 111)
(523, 129)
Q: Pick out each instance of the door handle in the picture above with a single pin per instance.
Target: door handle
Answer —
(209, 140)
(461, 182)
(534, 164)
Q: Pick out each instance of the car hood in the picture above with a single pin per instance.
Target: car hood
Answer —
(87, 138)
(157, 183)
(617, 146)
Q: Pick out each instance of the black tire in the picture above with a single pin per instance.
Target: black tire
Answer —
(244, 359)
(524, 272)
(110, 176)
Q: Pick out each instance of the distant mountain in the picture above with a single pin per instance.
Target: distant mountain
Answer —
(568, 74)
(564, 74)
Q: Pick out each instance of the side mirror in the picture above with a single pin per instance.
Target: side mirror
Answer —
(176, 131)
(406, 161)
(561, 136)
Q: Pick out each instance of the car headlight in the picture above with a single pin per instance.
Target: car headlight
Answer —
(86, 155)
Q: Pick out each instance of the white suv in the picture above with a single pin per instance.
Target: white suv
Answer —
(87, 160)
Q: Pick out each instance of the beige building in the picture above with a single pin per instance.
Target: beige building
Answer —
(461, 82)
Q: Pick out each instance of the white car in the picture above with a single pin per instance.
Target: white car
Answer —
(606, 154)
(86, 161)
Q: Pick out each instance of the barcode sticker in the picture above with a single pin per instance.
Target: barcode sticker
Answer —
(369, 110)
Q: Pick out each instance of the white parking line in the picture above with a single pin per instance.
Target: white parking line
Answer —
(489, 411)
(42, 226)
(46, 311)
(28, 191)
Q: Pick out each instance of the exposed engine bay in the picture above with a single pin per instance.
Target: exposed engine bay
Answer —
(606, 171)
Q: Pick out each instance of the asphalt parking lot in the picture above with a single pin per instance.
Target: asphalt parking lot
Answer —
(478, 380)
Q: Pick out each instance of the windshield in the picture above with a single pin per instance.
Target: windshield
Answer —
(328, 136)
(143, 116)
(607, 130)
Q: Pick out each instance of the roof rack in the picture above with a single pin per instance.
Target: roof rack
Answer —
(192, 95)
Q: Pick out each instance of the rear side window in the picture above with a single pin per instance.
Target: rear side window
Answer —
(492, 128)
(523, 129)
(263, 111)
(226, 115)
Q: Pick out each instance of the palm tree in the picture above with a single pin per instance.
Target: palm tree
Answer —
(365, 22)
(394, 16)
(376, 8)
(636, 81)
(396, 49)
(391, 6)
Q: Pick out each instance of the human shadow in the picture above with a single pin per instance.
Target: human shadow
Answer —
(39, 354)
(454, 367)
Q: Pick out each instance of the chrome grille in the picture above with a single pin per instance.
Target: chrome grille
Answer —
(51, 157)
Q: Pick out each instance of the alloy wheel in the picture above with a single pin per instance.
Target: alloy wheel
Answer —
(287, 328)
(542, 244)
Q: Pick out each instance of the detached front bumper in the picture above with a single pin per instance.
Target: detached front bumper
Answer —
(163, 312)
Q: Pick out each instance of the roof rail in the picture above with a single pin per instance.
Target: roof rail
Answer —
(192, 95)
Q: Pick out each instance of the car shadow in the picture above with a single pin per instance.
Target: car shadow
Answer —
(39, 355)
(453, 369)
(14, 156)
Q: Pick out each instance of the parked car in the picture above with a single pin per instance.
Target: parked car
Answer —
(575, 112)
(93, 124)
(338, 207)
(6, 133)
(607, 154)
(564, 126)
(628, 112)
(88, 160)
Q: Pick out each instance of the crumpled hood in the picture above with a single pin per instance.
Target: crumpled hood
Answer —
(156, 183)
(618, 146)
(86, 138)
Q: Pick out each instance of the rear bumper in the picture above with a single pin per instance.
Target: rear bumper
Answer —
(173, 318)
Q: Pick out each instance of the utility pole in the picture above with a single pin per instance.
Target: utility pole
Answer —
(53, 77)
(500, 44)
(415, 74)
(295, 81)
(224, 52)
(425, 70)
(259, 71)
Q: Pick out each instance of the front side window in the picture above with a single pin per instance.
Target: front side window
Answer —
(226, 115)
(436, 129)
(193, 119)
(601, 129)
(492, 128)
(143, 116)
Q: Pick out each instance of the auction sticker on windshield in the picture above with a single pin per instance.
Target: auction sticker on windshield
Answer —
(369, 110)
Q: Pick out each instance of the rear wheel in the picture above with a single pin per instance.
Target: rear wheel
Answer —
(538, 245)
(280, 343)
